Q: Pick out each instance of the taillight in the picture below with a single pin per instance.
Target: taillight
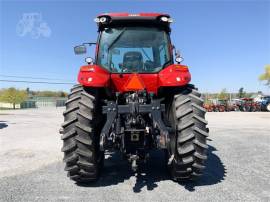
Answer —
(181, 68)
(87, 68)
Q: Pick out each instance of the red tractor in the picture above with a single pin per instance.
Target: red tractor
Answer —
(134, 99)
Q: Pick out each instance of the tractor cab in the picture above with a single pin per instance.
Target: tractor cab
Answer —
(134, 43)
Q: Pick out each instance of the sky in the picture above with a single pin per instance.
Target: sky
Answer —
(226, 44)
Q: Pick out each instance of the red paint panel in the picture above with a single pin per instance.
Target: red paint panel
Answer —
(93, 75)
(150, 81)
(151, 14)
(118, 81)
(131, 14)
(174, 75)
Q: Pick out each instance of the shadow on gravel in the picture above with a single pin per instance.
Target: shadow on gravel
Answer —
(117, 170)
(214, 172)
(3, 124)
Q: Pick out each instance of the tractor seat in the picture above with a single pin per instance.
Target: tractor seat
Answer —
(133, 61)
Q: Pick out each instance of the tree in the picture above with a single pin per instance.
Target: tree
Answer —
(223, 95)
(13, 96)
(266, 75)
(28, 91)
(62, 94)
(241, 93)
(50, 93)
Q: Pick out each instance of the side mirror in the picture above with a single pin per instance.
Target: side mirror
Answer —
(80, 49)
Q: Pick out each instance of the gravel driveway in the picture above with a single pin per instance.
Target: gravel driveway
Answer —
(31, 169)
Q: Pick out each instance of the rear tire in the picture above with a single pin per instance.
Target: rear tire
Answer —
(80, 137)
(188, 144)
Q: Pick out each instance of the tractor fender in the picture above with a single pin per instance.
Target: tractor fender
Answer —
(174, 75)
(94, 76)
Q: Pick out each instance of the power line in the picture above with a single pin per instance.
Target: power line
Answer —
(43, 82)
(29, 77)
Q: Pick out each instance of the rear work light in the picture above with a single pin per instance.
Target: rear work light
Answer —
(102, 20)
(166, 19)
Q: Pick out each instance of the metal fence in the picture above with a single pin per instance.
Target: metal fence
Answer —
(40, 102)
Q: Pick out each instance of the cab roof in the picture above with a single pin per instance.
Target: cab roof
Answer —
(131, 19)
(133, 14)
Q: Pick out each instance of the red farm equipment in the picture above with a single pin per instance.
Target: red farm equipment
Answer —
(221, 106)
(249, 105)
(133, 98)
(227, 105)
(209, 107)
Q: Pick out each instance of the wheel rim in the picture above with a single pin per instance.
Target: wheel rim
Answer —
(268, 107)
